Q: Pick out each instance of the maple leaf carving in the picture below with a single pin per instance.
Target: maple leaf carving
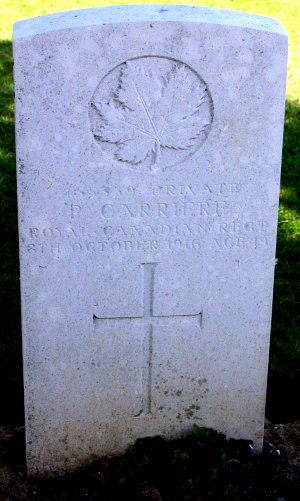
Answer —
(148, 113)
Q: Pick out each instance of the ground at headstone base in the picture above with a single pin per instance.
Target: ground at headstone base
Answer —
(203, 466)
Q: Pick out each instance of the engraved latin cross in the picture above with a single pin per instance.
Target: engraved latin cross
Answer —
(150, 321)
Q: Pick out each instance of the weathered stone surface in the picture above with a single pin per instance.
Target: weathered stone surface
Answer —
(149, 148)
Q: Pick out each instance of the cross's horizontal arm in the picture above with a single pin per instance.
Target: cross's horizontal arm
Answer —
(155, 320)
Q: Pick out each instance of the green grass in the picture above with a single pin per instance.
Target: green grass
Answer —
(284, 371)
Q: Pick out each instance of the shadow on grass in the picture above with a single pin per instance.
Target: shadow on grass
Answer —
(284, 373)
(11, 385)
(283, 403)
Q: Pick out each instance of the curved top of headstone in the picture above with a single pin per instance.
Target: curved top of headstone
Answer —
(134, 13)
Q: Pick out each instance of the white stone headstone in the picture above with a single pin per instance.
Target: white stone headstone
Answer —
(148, 148)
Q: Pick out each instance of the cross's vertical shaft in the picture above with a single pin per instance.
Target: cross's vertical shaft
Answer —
(148, 313)
(148, 288)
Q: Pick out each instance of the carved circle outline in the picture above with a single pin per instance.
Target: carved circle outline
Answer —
(175, 61)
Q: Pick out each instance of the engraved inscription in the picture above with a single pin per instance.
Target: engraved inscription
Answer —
(151, 111)
(148, 321)
(183, 218)
(165, 210)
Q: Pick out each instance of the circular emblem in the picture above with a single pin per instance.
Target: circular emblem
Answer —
(151, 112)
